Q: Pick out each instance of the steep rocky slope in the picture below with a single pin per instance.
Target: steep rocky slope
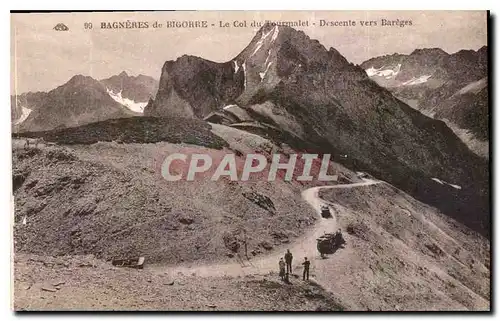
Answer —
(110, 199)
(399, 247)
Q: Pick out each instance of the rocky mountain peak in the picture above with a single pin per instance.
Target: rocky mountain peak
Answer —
(81, 80)
(429, 52)
(138, 89)
(273, 41)
(193, 86)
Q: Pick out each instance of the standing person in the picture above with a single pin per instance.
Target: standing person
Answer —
(282, 269)
(339, 240)
(306, 265)
(288, 261)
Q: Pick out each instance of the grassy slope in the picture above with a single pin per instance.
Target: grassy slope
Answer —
(135, 130)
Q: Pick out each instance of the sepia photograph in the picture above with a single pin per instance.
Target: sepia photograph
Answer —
(250, 161)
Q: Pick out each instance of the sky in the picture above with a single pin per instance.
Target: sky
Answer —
(43, 58)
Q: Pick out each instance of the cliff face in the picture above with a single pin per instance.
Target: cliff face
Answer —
(194, 87)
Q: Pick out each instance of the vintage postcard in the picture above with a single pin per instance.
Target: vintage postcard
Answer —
(250, 161)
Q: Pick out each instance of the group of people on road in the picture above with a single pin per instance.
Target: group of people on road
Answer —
(285, 266)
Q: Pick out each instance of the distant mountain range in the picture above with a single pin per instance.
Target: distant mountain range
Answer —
(291, 89)
(449, 87)
(82, 100)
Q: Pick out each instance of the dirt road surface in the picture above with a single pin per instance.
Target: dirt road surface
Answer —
(304, 246)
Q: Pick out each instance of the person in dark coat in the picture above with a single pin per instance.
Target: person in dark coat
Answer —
(288, 261)
(339, 240)
(282, 269)
(306, 264)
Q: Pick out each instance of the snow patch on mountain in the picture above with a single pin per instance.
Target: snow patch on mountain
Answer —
(236, 67)
(261, 42)
(474, 87)
(228, 106)
(387, 73)
(416, 81)
(443, 183)
(25, 112)
(268, 55)
(137, 107)
(244, 74)
(275, 33)
(438, 180)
